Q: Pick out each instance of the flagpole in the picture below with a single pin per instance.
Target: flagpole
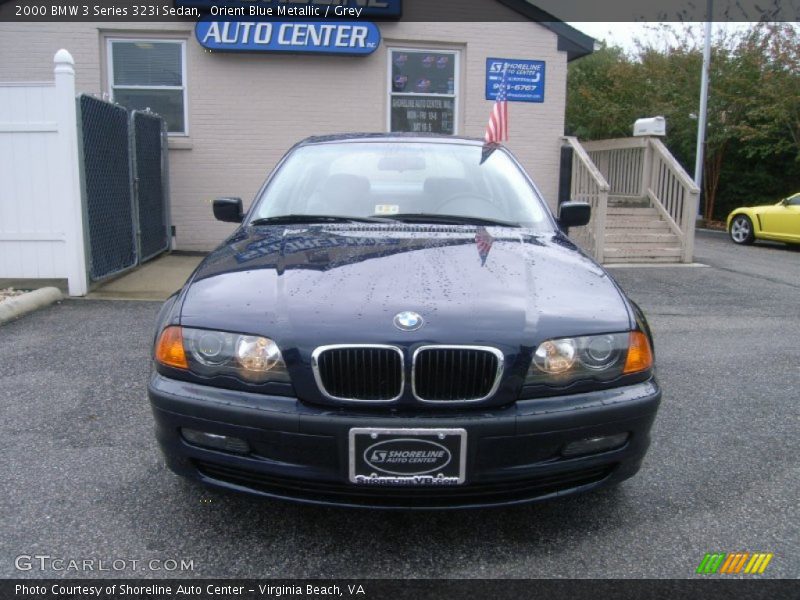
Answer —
(701, 120)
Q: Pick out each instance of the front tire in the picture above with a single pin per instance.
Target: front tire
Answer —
(741, 231)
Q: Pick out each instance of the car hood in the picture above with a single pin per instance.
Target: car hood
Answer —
(306, 286)
(761, 206)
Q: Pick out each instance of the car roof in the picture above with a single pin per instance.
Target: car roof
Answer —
(436, 138)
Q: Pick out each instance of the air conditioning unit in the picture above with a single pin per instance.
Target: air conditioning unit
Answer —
(650, 126)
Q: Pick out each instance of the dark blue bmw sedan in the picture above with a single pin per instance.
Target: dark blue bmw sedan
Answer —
(400, 322)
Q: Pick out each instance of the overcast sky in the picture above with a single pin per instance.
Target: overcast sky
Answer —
(623, 34)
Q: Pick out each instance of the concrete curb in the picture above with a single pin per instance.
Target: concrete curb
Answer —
(652, 265)
(17, 306)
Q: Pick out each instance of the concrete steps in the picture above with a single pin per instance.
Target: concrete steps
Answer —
(641, 258)
(630, 211)
(635, 252)
(628, 247)
(628, 201)
(636, 233)
(620, 236)
(635, 224)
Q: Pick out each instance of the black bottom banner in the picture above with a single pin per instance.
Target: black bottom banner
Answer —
(397, 589)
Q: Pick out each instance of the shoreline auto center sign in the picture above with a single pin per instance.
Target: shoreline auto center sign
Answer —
(337, 37)
(524, 78)
(373, 9)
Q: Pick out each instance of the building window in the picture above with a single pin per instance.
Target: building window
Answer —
(150, 74)
(423, 90)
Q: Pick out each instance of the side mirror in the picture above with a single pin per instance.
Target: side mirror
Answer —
(228, 210)
(573, 214)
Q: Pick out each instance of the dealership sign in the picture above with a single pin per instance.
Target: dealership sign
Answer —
(524, 79)
(373, 9)
(336, 37)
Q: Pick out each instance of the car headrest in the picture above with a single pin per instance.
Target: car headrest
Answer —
(343, 185)
(444, 187)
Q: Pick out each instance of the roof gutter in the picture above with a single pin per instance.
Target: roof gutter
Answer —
(575, 43)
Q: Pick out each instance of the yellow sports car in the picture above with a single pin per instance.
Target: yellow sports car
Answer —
(777, 222)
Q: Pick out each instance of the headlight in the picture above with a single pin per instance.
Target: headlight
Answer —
(251, 358)
(600, 357)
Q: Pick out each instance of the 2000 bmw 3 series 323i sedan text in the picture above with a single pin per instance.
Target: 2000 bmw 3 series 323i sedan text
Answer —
(401, 322)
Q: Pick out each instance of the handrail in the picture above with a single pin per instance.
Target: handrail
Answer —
(674, 165)
(673, 192)
(615, 144)
(622, 162)
(664, 214)
(642, 167)
(588, 185)
(578, 148)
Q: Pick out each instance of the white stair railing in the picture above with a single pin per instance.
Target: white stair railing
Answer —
(588, 185)
(674, 194)
(622, 163)
(642, 167)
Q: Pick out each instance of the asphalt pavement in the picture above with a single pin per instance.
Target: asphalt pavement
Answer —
(83, 479)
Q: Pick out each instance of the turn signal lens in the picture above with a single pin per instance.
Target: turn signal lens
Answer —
(169, 349)
(640, 356)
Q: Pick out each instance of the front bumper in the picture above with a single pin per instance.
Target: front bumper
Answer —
(300, 452)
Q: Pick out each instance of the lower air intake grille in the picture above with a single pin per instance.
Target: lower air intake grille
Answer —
(369, 373)
(453, 373)
(472, 494)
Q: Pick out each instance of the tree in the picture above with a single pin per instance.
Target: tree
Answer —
(771, 53)
(753, 125)
(602, 96)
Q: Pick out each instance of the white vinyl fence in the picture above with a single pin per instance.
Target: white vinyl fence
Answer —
(41, 219)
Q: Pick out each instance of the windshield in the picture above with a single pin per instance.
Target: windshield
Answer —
(397, 180)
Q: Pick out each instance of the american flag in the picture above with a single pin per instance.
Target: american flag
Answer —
(497, 129)
(483, 240)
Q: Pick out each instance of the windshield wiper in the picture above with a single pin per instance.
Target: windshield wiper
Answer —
(402, 217)
(450, 219)
(291, 219)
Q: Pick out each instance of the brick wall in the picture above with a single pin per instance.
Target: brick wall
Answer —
(245, 110)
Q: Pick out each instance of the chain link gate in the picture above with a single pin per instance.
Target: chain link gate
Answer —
(149, 156)
(107, 191)
(124, 183)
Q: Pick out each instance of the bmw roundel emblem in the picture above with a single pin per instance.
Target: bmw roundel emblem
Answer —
(408, 321)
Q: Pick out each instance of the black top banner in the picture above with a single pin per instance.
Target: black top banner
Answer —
(407, 10)
(372, 9)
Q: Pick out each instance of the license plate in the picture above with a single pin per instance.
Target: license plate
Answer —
(407, 457)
